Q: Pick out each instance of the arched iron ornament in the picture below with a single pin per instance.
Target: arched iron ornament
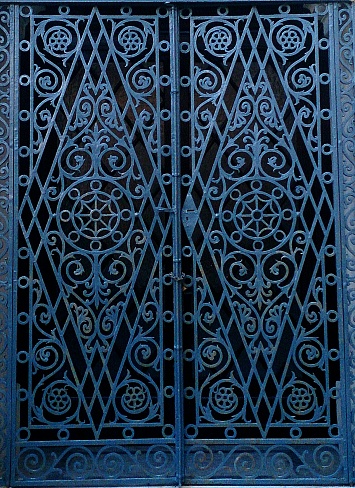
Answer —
(179, 214)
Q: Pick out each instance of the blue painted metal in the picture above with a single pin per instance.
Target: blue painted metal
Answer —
(95, 309)
(6, 257)
(345, 44)
(263, 361)
(179, 299)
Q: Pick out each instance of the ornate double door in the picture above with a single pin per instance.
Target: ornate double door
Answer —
(178, 300)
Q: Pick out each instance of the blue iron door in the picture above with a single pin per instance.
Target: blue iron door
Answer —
(95, 307)
(263, 342)
(179, 302)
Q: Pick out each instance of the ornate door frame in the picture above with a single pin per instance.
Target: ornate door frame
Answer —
(341, 19)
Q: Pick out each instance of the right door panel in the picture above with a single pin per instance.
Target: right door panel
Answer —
(262, 321)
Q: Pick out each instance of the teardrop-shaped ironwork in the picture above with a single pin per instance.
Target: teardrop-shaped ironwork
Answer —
(189, 215)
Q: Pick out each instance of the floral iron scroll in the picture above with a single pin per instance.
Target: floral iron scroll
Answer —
(6, 15)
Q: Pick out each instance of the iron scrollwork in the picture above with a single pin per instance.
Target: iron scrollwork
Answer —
(345, 17)
(6, 19)
(92, 246)
(260, 242)
(261, 175)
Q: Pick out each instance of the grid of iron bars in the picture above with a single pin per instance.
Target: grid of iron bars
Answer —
(177, 243)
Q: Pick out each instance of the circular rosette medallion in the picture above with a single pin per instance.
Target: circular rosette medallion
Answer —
(135, 401)
(132, 38)
(289, 39)
(257, 215)
(95, 215)
(301, 402)
(59, 39)
(219, 39)
(59, 403)
(225, 402)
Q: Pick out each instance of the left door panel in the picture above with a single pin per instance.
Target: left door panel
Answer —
(93, 303)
